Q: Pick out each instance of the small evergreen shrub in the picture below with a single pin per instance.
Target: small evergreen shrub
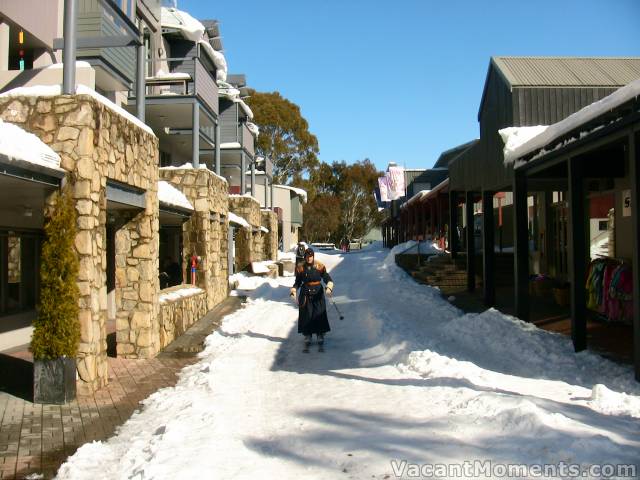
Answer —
(57, 329)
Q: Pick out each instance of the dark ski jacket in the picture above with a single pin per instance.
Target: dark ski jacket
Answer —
(312, 308)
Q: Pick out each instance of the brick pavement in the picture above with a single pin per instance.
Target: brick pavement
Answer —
(38, 438)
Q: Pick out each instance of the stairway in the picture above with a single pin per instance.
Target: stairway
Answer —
(443, 272)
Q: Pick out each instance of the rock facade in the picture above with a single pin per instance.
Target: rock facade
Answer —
(96, 144)
(270, 222)
(205, 233)
(249, 244)
(177, 315)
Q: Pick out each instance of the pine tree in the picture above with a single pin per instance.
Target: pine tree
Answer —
(56, 328)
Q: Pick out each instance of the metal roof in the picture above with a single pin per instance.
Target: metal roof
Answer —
(568, 71)
(448, 156)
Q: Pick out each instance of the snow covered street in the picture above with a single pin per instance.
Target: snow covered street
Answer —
(406, 376)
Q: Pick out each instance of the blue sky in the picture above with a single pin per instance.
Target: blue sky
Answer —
(401, 80)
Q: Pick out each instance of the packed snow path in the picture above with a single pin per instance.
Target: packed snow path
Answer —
(405, 376)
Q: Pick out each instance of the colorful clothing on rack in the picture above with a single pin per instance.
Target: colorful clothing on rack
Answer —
(609, 287)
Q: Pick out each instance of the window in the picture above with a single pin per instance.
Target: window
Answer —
(165, 159)
(602, 225)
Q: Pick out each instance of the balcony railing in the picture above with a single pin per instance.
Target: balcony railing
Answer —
(186, 76)
(246, 139)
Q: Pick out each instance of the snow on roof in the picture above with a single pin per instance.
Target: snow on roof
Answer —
(416, 197)
(244, 107)
(218, 60)
(227, 90)
(170, 195)
(575, 120)
(253, 128)
(237, 219)
(298, 191)
(79, 64)
(189, 165)
(18, 144)
(55, 90)
(515, 137)
(264, 229)
(190, 28)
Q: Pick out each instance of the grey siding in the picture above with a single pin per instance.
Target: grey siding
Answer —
(247, 139)
(93, 21)
(482, 166)
(229, 125)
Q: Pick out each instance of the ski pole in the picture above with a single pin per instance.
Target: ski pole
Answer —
(337, 309)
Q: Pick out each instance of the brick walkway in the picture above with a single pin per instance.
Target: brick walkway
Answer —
(38, 438)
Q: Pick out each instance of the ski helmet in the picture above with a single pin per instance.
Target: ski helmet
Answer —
(308, 252)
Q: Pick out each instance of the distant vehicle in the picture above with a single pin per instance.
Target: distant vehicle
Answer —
(323, 246)
(355, 244)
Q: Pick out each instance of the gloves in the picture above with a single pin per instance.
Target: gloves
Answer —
(329, 288)
(292, 293)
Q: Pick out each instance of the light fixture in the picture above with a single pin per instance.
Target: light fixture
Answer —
(28, 211)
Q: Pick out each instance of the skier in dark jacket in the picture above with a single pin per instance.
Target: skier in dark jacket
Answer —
(312, 308)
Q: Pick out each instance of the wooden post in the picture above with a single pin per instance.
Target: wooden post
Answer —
(577, 254)
(453, 224)
(471, 243)
(488, 250)
(521, 246)
(634, 167)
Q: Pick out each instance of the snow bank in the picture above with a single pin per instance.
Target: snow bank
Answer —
(246, 281)
(514, 137)
(170, 195)
(298, 191)
(18, 144)
(575, 120)
(612, 403)
(55, 90)
(178, 294)
(239, 220)
(260, 267)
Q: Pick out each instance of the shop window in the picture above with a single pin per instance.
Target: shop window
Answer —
(19, 272)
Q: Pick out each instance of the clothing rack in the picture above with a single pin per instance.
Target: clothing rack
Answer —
(609, 288)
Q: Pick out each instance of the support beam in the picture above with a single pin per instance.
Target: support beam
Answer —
(271, 194)
(521, 246)
(471, 243)
(217, 147)
(253, 177)
(577, 234)
(634, 167)
(266, 193)
(453, 223)
(488, 250)
(70, 47)
(4, 46)
(195, 156)
(141, 81)
(243, 175)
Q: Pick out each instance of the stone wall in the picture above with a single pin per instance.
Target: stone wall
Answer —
(178, 313)
(270, 222)
(205, 233)
(95, 144)
(249, 243)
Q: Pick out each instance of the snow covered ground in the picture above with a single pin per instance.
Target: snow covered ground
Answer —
(405, 377)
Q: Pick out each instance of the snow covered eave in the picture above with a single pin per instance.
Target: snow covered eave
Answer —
(238, 220)
(169, 196)
(574, 121)
(298, 191)
(418, 196)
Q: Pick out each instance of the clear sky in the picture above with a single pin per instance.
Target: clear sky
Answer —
(402, 80)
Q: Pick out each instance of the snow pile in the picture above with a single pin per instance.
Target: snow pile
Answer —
(18, 144)
(514, 137)
(230, 145)
(79, 64)
(237, 219)
(170, 195)
(612, 403)
(246, 281)
(577, 119)
(190, 28)
(178, 294)
(162, 75)
(55, 90)
(264, 229)
(260, 267)
(227, 90)
(298, 191)
(287, 256)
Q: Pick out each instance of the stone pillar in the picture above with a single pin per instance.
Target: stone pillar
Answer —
(4, 46)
